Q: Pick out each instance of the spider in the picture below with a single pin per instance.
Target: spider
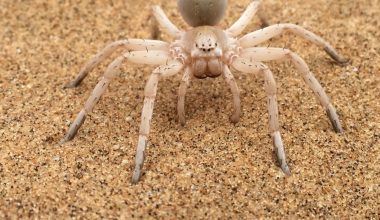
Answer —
(204, 51)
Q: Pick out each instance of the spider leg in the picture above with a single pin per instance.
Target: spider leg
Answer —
(181, 96)
(165, 23)
(151, 57)
(171, 68)
(129, 44)
(235, 94)
(244, 19)
(266, 54)
(262, 35)
(244, 65)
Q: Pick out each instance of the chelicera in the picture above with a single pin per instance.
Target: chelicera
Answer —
(204, 51)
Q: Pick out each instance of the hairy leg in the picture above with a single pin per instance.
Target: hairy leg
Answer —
(244, 19)
(181, 96)
(235, 94)
(260, 36)
(129, 44)
(165, 23)
(171, 68)
(271, 91)
(266, 54)
(151, 57)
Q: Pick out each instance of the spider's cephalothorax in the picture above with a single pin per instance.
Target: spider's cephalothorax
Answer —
(206, 51)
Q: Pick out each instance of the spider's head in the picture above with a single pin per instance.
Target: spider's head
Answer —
(206, 44)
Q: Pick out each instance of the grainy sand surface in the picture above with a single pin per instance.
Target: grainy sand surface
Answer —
(209, 168)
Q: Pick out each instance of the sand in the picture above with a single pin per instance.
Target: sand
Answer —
(209, 168)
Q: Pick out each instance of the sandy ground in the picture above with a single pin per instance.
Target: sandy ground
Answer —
(209, 168)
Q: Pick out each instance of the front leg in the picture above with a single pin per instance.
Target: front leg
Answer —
(171, 68)
(129, 44)
(262, 35)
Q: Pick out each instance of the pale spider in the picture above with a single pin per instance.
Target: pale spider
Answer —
(205, 51)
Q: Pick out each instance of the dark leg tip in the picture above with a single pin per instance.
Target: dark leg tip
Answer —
(334, 119)
(285, 169)
(71, 84)
(342, 61)
(279, 149)
(63, 141)
(338, 129)
(136, 176)
(283, 165)
(68, 137)
(333, 54)
(234, 119)
(182, 119)
(74, 127)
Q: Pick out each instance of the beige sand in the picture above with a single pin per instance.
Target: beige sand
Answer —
(209, 168)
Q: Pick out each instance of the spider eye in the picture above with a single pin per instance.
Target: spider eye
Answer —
(216, 44)
(196, 45)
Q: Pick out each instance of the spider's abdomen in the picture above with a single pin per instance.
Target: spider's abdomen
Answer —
(203, 68)
(202, 12)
